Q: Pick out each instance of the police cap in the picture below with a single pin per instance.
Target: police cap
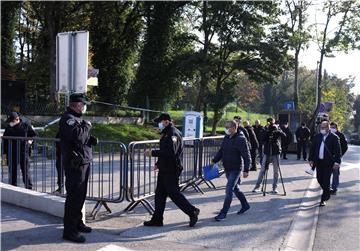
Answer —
(163, 116)
(78, 97)
(12, 116)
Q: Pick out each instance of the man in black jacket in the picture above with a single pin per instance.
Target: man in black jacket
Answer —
(75, 142)
(260, 133)
(169, 165)
(302, 137)
(325, 155)
(254, 144)
(240, 128)
(272, 151)
(233, 149)
(17, 151)
(285, 141)
(344, 148)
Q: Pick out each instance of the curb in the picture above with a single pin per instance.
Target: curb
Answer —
(301, 235)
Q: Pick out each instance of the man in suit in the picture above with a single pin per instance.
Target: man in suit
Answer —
(302, 137)
(325, 155)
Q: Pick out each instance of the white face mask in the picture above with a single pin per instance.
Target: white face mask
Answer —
(333, 130)
(84, 109)
(323, 131)
(227, 131)
(161, 126)
(12, 124)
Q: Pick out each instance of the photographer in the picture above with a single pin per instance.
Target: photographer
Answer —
(272, 150)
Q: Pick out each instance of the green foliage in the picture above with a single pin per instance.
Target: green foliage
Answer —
(114, 33)
(9, 16)
(356, 108)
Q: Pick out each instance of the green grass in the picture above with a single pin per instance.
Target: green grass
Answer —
(124, 133)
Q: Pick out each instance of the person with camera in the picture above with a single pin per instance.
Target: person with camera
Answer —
(272, 151)
(169, 166)
(325, 155)
(75, 142)
(233, 149)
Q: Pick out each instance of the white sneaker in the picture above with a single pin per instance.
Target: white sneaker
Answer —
(256, 190)
(310, 172)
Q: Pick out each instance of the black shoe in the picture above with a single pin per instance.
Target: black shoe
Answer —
(243, 210)
(194, 218)
(84, 229)
(305, 159)
(153, 223)
(322, 204)
(298, 159)
(253, 169)
(74, 237)
(333, 191)
(285, 158)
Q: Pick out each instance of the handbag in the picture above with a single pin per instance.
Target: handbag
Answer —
(211, 172)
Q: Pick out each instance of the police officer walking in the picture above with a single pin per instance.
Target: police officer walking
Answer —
(169, 165)
(75, 142)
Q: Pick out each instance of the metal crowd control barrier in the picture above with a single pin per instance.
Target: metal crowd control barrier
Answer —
(43, 171)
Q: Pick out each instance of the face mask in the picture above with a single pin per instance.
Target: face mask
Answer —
(12, 124)
(161, 126)
(323, 131)
(227, 132)
(84, 109)
(333, 130)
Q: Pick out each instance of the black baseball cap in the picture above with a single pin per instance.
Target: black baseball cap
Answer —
(237, 118)
(12, 116)
(79, 97)
(163, 116)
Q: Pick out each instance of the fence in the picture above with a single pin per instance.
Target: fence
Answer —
(117, 173)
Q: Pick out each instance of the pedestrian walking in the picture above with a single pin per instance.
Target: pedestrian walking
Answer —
(325, 155)
(169, 166)
(233, 150)
(302, 137)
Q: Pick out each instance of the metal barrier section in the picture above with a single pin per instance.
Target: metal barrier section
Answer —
(39, 160)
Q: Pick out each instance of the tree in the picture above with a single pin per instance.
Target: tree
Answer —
(114, 43)
(165, 47)
(248, 41)
(9, 16)
(299, 36)
(345, 37)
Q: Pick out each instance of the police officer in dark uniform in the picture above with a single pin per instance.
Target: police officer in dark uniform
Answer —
(169, 165)
(18, 151)
(76, 143)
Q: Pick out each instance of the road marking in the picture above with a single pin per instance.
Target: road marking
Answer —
(112, 247)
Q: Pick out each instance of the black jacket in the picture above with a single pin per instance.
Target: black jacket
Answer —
(75, 136)
(302, 134)
(286, 140)
(343, 142)
(332, 151)
(252, 137)
(272, 140)
(232, 150)
(171, 151)
(260, 133)
(20, 130)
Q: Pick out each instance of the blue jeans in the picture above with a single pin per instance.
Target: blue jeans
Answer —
(335, 179)
(232, 186)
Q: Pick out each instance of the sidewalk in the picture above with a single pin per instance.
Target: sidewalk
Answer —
(263, 227)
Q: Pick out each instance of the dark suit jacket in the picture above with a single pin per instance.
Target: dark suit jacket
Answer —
(332, 151)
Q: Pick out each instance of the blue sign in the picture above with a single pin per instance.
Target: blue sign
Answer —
(290, 105)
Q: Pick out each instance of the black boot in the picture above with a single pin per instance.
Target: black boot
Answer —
(194, 217)
(83, 228)
(153, 223)
(74, 237)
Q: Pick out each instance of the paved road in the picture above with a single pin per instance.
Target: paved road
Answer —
(339, 222)
(264, 227)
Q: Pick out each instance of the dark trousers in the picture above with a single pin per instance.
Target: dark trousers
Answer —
(60, 172)
(253, 158)
(301, 146)
(76, 187)
(24, 160)
(260, 152)
(323, 174)
(168, 185)
(284, 148)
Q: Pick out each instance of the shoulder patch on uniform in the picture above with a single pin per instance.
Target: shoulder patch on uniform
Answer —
(71, 122)
(174, 139)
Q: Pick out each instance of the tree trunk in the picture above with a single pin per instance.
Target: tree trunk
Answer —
(296, 84)
(215, 121)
